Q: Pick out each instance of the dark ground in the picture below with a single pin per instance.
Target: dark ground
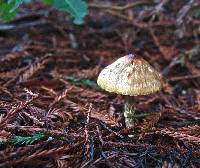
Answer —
(62, 119)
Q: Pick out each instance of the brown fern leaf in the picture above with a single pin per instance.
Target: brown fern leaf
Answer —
(179, 135)
(14, 56)
(27, 72)
(10, 74)
(104, 117)
(85, 93)
(166, 164)
(5, 90)
(37, 151)
(198, 99)
(74, 106)
(59, 97)
(4, 135)
(93, 95)
(50, 91)
(90, 73)
(17, 108)
(193, 130)
(55, 114)
(13, 75)
(32, 69)
(35, 120)
(150, 122)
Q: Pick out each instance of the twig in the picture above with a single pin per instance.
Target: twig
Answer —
(119, 8)
(51, 92)
(100, 135)
(184, 10)
(125, 144)
(178, 78)
(87, 138)
(113, 132)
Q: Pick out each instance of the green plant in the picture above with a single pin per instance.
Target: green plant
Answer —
(81, 82)
(2, 142)
(8, 8)
(78, 9)
(27, 140)
(196, 13)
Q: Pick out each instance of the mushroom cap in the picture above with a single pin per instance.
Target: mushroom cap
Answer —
(130, 75)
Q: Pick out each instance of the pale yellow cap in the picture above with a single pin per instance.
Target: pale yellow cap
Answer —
(130, 75)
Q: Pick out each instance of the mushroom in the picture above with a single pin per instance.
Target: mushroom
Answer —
(131, 76)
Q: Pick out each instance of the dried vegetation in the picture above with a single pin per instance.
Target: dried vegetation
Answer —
(52, 113)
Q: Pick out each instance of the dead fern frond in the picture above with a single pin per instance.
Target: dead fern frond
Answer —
(74, 106)
(14, 76)
(4, 135)
(59, 97)
(90, 73)
(104, 117)
(13, 56)
(50, 91)
(87, 133)
(149, 123)
(179, 135)
(32, 69)
(1, 117)
(193, 130)
(93, 95)
(59, 114)
(34, 119)
(27, 72)
(35, 153)
(198, 99)
(17, 108)
(10, 74)
(5, 90)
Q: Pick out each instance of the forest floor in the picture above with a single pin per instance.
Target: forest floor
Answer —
(53, 114)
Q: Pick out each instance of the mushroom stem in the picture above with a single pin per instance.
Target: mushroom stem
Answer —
(129, 111)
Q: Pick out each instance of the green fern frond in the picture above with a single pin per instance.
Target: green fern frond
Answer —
(27, 140)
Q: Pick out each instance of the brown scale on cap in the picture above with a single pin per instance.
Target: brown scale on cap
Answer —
(132, 58)
(130, 75)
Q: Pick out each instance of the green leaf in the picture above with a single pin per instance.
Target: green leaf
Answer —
(77, 8)
(81, 82)
(16, 4)
(8, 9)
(197, 13)
(48, 2)
(27, 139)
(2, 142)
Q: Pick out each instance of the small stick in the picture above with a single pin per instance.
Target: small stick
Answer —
(87, 139)
(186, 77)
(119, 8)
